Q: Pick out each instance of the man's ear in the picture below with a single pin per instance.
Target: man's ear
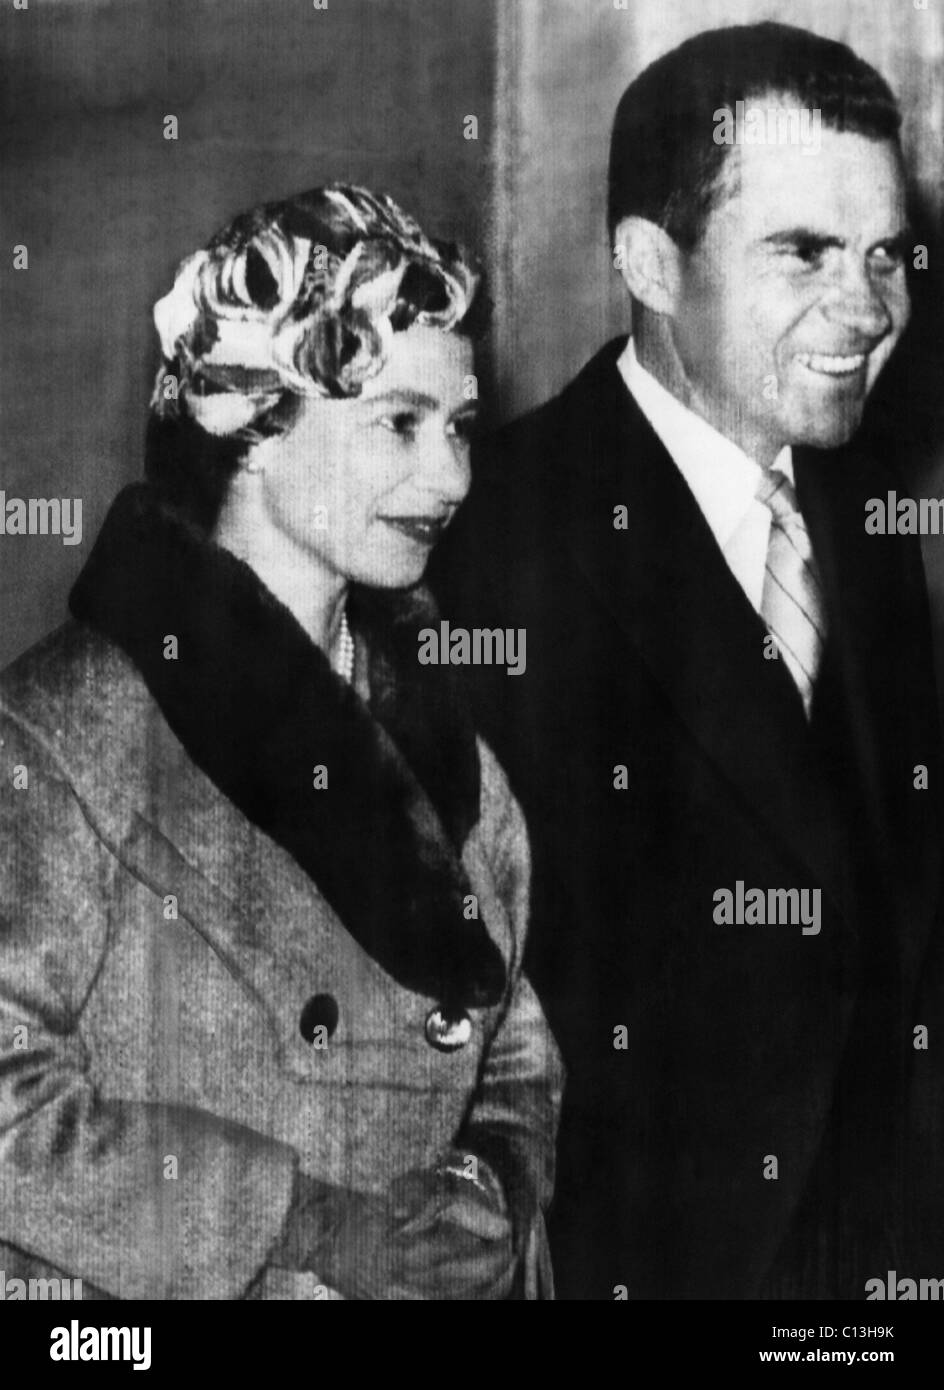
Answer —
(649, 262)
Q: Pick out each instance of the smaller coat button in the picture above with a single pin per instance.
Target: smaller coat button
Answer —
(321, 1011)
(448, 1032)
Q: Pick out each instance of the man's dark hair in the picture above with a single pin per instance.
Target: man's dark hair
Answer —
(664, 162)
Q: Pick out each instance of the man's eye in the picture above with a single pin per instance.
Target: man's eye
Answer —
(806, 251)
(890, 257)
(402, 423)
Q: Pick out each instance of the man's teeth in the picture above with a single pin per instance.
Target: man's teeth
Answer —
(833, 366)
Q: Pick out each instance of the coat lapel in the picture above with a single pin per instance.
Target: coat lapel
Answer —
(217, 916)
(667, 587)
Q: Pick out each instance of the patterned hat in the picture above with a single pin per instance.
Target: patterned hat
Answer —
(304, 296)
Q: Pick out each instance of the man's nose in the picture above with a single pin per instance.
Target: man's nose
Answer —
(857, 302)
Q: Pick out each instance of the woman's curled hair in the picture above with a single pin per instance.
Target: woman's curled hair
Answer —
(292, 299)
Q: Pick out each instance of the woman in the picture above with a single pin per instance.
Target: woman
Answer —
(263, 892)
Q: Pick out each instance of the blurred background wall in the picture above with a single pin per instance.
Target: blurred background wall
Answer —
(273, 96)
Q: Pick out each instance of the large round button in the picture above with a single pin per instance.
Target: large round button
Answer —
(321, 1011)
(448, 1032)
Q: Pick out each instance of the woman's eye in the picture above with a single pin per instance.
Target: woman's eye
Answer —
(462, 429)
(403, 423)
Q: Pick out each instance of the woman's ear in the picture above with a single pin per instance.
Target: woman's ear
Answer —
(256, 457)
(253, 462)
(649, 262)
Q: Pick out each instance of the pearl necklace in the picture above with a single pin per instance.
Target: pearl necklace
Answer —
(344, 665)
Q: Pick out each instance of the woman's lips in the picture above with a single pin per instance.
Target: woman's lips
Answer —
(423, 530)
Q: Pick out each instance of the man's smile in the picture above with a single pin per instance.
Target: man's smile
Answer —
(832, 364)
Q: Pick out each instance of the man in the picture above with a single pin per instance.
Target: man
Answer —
(728, 692)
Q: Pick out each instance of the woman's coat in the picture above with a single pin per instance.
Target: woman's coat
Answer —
(160, 956)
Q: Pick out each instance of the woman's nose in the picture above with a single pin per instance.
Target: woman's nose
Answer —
(446, 469)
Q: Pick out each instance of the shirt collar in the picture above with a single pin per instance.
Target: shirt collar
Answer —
(723, 479)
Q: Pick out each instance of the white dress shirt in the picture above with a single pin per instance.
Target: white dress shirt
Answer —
(721, 477)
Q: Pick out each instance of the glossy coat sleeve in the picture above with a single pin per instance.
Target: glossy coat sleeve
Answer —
(85, 1183)
(512, 1122)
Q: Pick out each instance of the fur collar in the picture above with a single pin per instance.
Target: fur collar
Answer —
(256, 705)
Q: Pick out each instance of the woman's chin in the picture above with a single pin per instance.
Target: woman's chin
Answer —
(392, 574)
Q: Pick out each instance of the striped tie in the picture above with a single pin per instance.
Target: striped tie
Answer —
(792, 602)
